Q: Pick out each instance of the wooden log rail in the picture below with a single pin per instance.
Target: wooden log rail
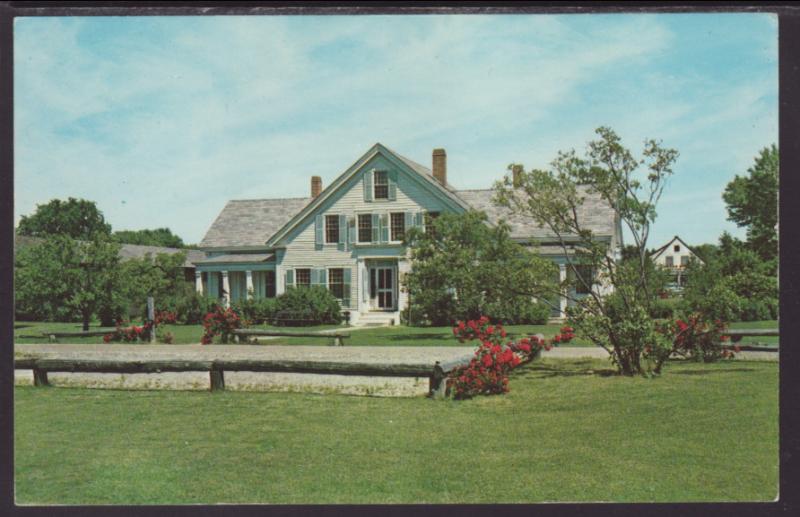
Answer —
(52, 336)
(736, 336)
(337, 337)
(437, 374)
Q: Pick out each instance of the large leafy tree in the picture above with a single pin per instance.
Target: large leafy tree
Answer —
(62, 277)
(752, 202)
(158, 237)
(619, 321)
(160, 276)
(76, 218)
(466, 268)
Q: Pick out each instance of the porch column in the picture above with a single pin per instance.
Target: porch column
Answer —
(198, 281)
(562, 276)
(249, 277)
(226, 290)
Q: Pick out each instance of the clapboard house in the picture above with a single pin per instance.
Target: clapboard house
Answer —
(348, 236)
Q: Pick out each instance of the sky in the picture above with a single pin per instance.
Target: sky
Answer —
(162, 120)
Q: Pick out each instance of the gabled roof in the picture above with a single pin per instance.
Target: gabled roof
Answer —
(248, 223)
(660, 250)
(410, 166)
(126, 251)
(594, 214)
(261, 223)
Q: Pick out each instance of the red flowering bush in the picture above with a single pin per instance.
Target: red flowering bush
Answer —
(699, 339)
(220, 322)
(134, 333)
(487, 372)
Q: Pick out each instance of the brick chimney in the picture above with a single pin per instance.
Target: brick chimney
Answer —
(440, 165)
(316, 186)
(516, 172)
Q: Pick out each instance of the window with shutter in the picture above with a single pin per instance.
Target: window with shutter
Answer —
(381, 184)
(332, 231)
(398, 224)
(303, 277)
(351, 230)
(342, 229)
(364, 227)
(336, 283)
(289, 278)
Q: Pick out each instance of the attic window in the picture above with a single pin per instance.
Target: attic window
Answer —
(676, 248)
(381, 185)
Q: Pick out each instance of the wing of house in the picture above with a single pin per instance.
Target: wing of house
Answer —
(348, 236)
(674, 256)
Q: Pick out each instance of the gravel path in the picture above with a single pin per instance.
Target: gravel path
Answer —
(259, 381)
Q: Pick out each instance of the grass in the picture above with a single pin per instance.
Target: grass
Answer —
(379, 336)
(568, 431)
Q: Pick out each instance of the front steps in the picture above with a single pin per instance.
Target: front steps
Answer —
(377, 319)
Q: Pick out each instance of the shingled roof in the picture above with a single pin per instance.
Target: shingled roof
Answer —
(251, 222)
(594, 214)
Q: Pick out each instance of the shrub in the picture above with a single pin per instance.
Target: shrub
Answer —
(518, 311)
(221, 322)
(262, 310)
(720, 303)
(300, 306)
(487, 372)
(698, 339)
(192, 308)
(757, 310)
(665, 308)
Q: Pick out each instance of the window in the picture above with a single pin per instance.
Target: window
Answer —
(670, 262)
(332, 229)
(364, 227)
(302, 277)
(398, 226)
(583, 284)
(336, 283)
(429, 217)
(685, 260)
(269, 284)
(381, 185)
(676, 248)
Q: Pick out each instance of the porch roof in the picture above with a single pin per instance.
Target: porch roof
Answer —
(237, 258)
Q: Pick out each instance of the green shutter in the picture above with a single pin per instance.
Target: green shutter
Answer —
(392, 185)
(322, 277)
(347, 280)
(342, 229)
(384, 227)
(351, 230)
(376, 228)
(409, 222)
(289, 278)
(315, 277)
(319, 230)
(368, 185)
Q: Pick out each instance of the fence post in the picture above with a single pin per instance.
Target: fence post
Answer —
(217, 379)
(40, 377)
(438, 383)
(151, 317)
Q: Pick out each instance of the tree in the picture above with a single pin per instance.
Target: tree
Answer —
(752, 202)
(619, 322)
(76, 218)
(158, 237)
(466, 268)
(160, 276)
(63, 276)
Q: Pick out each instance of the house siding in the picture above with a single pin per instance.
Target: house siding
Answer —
(300, 248)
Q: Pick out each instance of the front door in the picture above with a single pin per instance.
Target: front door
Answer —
(382, 288)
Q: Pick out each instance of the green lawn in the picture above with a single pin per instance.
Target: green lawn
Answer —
(30, 332)
(566, 432)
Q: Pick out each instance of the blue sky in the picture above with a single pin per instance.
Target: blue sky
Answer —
(161, 120)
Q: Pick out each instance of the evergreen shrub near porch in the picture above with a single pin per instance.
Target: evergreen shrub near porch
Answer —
(303, 306)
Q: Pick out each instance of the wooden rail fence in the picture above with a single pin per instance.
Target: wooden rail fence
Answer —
(436, 373)
(337, 337)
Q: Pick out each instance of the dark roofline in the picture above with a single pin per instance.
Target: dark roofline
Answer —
(662, 248)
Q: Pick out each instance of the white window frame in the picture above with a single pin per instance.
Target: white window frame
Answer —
(325, 228)
(403, 217)
(329, 282)
(358, 230)
(375, 185)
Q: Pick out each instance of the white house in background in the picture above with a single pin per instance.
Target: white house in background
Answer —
(675, 256)
(348, 237)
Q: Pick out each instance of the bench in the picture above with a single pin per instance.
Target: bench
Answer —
(52, 336)
(337, 337)
(436, 373)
